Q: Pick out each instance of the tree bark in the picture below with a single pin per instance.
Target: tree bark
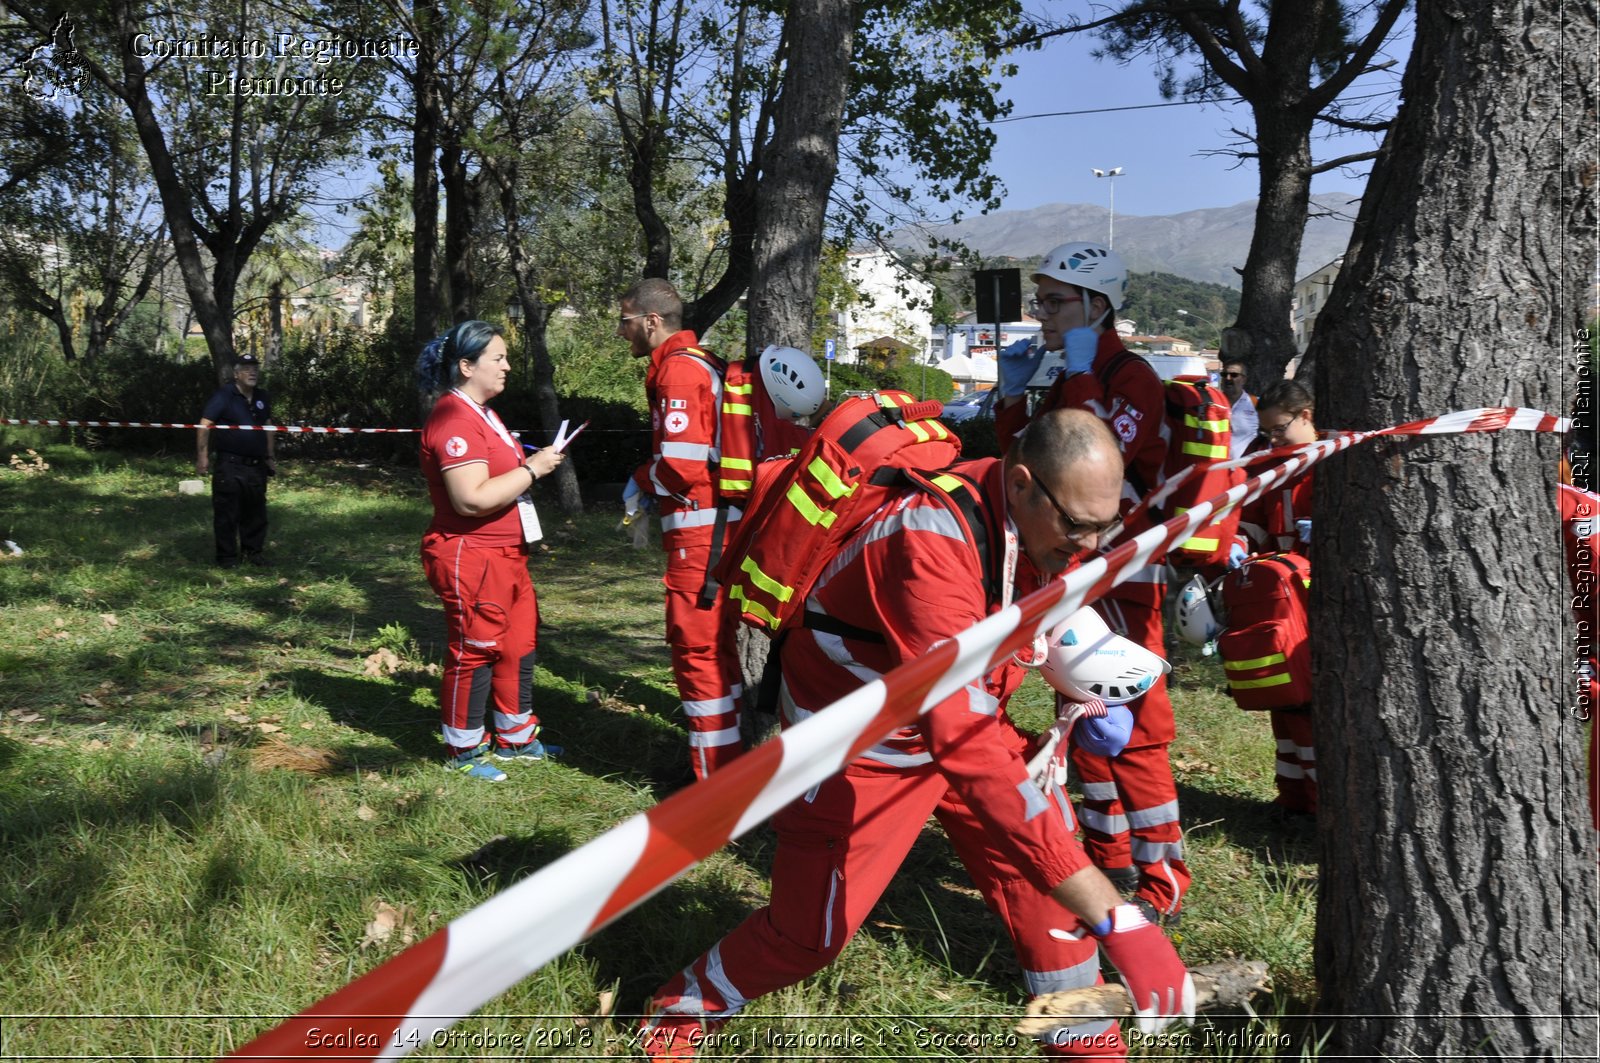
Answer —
(802, 163)
(1457, 909)
(425, 175)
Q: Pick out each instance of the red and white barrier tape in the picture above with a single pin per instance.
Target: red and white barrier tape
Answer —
(287, 428)
(399, 1006)
(292, 428)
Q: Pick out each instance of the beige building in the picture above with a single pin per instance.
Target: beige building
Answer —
(1310, 296)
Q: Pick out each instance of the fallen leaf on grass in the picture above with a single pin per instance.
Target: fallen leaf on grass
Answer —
(386, 919)
(366, 814)
(607, 1000)
(237, 717)
(110, 619)
(384, 662)
(268, 728)
(94, 743)
(90, 700)
(27, 717)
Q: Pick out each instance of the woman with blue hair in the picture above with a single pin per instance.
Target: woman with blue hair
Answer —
(475, 553)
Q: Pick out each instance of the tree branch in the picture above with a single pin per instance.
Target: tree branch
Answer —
(1344, 160)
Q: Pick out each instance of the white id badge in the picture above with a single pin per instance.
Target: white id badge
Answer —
(531, 532)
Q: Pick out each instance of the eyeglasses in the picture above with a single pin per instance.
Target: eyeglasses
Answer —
(1077, 529)
(1050, 304)
(1226, 375)
(625, 318)
(1276, 430)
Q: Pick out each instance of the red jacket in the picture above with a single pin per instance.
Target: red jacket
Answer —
(1133, 405)
(909, 579)
(685, 394)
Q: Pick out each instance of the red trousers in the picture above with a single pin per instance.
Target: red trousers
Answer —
(1296, 772)
(1130, 802)
(836, 854)
(492, 622)
(705, 663)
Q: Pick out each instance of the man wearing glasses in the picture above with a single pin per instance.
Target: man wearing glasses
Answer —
(913, 577)
(684, 386)
(1130, 806)
(1243, 416)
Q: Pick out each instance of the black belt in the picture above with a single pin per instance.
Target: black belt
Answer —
(240, 458)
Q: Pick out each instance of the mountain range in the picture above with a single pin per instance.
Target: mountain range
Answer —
(1206, 245)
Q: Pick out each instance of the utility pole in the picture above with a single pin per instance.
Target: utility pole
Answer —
(1111, 223)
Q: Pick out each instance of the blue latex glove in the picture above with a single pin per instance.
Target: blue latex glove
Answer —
(1081, 344)
(1017, 365)
(1236, 555)
(1105, 736)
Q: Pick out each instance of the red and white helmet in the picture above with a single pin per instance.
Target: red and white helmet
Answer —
(1197, 624)
(1087, 265)
(793, 382)
(1084, 659)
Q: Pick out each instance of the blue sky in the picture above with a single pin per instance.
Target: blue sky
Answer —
(1049, 159)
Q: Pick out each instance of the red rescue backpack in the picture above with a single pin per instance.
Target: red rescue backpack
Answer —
(1266, 650)
(1198, 429)
(803, 507)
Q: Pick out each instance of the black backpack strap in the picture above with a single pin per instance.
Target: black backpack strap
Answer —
(719, 534)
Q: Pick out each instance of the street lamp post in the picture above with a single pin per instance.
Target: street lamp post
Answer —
(1208, 321)
(1111, 176)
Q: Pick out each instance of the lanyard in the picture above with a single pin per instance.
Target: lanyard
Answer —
(490, 419)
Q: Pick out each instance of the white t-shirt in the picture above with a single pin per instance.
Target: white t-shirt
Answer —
(1245, 422)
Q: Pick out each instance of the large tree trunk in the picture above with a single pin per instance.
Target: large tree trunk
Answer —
(800, 169)
(425, 174)
(1457, 909)
(460, 208)
(1263, 336)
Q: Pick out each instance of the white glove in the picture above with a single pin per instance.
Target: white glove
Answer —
(1017, 365)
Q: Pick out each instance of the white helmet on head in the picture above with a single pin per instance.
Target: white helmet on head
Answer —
(1087, 265)
(1196, 622)
(1085, 659)
(793, 382)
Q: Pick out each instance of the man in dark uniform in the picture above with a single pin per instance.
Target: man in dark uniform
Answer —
(243, 463)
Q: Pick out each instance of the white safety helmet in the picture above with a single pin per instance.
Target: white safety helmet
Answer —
(793, 382)
(1196, 623)
(1086, 265)
(1084, 659)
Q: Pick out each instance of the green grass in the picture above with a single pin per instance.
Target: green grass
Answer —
(206, 799)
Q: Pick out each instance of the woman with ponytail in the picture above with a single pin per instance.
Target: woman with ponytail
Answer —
(475, 553)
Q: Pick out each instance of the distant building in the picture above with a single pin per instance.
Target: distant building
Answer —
(894, 303)
(1310, 296)
(1158, 344)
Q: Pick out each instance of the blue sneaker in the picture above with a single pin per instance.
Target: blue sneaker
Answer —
(534, 750)
(474, 764)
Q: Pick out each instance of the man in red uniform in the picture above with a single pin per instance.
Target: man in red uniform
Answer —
(907, 580)
(684, 385)
(1130, 807)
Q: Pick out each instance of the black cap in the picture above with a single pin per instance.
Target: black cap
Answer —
(246, 359)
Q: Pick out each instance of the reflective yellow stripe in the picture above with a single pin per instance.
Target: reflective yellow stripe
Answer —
(916, 429)
(737, 463)
(888, 401)
(1205, 450)
(1205, 426)
(742, 409)
(938, 429)
(813, 513)
(739, 389)
(1256, 684)
(1197, 543)
(765, 583)
(829, 479)
(726, 485)
(1259, 662)
(755, 609)
(946, 482)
